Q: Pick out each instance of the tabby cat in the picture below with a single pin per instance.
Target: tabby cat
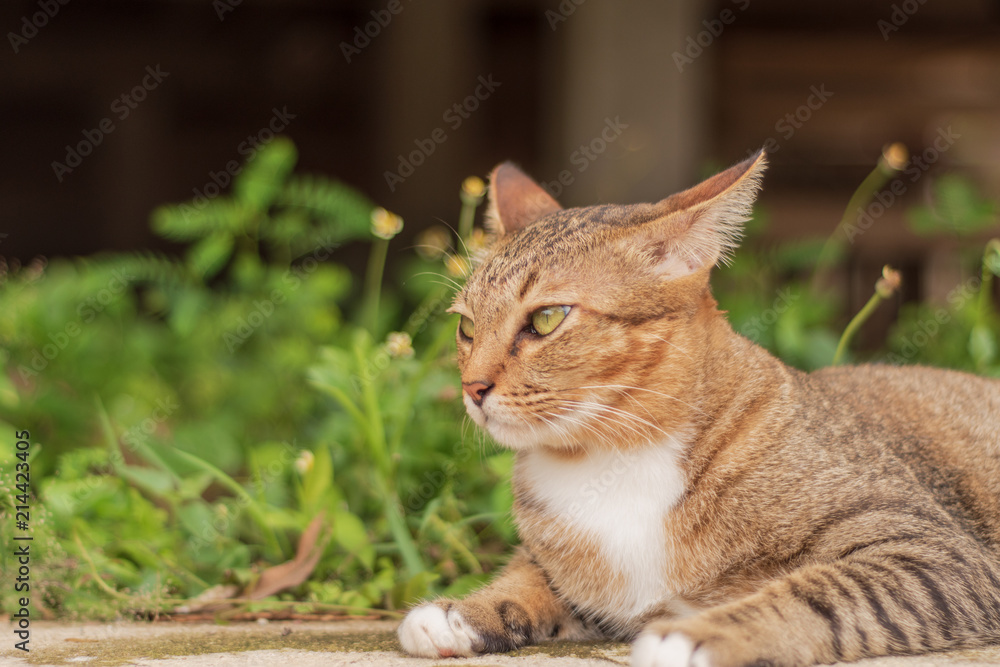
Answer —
(678, 486)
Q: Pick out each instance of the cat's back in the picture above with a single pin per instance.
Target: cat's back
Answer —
(942, 426)
(916, 399)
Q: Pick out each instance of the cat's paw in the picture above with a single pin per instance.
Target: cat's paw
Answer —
(429, 631)
(651, 649)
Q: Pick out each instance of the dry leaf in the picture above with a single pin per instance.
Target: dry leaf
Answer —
(297, 570)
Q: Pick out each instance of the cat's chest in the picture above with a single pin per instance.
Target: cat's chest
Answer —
(599, 523)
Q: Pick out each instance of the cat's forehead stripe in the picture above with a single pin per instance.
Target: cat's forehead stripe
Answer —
(535, 251)
(538, 245)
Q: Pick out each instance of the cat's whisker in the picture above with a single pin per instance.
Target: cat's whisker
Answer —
(673, 345)
(560, 429)
(582, 424)
(552, 421)
(448, 280)
(625, 387)
(607, 419)
(559, 402)
(618, 412)
(454, 230)
(619, 427)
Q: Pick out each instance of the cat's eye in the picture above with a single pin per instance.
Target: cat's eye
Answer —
(545, 320)
(467, 327)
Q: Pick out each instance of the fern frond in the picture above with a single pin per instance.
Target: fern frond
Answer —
(337, 208)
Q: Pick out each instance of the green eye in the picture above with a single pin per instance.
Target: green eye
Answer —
(467, 328)
(545, 320)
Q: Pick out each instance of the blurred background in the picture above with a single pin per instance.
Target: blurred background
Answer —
(628, 100)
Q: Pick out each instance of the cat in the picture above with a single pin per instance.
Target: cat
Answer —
(677, 486)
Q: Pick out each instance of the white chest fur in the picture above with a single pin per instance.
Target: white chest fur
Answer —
(619, 501)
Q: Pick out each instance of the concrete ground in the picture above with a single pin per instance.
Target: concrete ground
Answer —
(360, 643)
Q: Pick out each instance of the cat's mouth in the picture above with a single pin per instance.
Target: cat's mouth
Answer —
(513, 430)
(506, 428)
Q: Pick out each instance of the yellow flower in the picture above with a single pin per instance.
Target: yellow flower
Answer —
(385, 225)
(399, 345)
(305, 461)
(889, 282)
(458, 266)
(434, 242)
(473, 186)
(896, 156)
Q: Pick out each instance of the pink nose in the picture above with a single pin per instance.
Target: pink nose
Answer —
(476, 391)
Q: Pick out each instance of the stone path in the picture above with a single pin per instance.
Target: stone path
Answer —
(357, 643)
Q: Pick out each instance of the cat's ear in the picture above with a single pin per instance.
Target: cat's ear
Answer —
(702, 226)
(516, 201)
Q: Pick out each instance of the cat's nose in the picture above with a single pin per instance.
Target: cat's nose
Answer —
(476, 391)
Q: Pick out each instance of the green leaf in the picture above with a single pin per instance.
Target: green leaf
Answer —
(181, 222)
(982, 345)
(186, 313)
(991, 257)
(466, 584)
(415, 589)
(317, 481)
(197, 220)
(208, 256)
(342, 213)
(349, 532)
(957, 208)
(263, 177)
(797, 255)
(156, 482)
(197, 518)
(501, 502)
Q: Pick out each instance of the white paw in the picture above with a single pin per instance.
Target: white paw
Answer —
(430, 633)
(674, 650)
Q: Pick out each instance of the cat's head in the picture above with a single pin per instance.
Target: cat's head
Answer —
(584, 327)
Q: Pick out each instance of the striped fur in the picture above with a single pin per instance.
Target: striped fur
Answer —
(678, 485)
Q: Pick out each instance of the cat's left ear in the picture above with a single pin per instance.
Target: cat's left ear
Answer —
(701, 226)
(515, 201)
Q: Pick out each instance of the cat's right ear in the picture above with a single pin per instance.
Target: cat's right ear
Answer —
(515, 201)
(701, 226)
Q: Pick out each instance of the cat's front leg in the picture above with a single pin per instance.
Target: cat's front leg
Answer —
(516, 609)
